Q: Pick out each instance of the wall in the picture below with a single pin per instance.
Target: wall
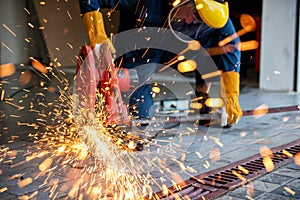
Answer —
(278, 45)
(63, 31)
(13, 31)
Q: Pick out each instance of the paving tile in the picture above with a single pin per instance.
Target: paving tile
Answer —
(275, 178)
(288, 172)
(242, 192)
(295, 183)
(277, 140)
(16, 190)
(8, 196)
(292, 165)
(228, 197)
(283, 192)
(264, 186)
(270, 196)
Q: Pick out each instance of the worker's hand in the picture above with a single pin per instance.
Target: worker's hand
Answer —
(230, 84)
(186, 13)
(110, 45)
(94, 25)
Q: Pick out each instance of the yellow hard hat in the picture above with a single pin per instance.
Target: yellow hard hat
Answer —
(214, 13)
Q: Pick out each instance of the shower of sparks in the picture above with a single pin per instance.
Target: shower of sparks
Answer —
(101, 154)
(96, 160)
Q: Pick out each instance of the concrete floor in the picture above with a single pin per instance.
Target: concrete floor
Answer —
(183, 145)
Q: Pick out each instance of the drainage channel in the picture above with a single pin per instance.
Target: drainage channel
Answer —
(217, 182)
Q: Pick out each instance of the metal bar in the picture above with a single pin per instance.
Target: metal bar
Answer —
(274, 110)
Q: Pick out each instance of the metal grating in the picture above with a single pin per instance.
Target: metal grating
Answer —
(217, 182)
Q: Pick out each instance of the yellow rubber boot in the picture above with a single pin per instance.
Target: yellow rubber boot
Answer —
(94, 24)
(230, 90)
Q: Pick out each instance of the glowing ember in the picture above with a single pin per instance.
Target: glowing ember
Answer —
(260, 111)
(212, 74)
(244, 170)
(288, 154)
(38, 66)
(289, 190)
(297, 159)
(199, 6)
(215, 154)
(187, 66)
(239, 175)
(249, 45)
(214, 102)
(9, 30)
(45, 164)
(156, 88)
(268, 163)
(265, 151)
(165, 190)
(194, 45)
(7, 70)
(196, 106)
(248, 24)
(176, 2)
(3, 189)
(25, 182)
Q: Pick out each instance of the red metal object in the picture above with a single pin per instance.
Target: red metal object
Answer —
(124, 80)
(102, 74)
(87, 77)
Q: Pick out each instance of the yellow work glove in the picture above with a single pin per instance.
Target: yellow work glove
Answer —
(229, 90)
(94, 24)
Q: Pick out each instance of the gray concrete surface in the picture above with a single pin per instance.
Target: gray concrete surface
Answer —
(193, 150)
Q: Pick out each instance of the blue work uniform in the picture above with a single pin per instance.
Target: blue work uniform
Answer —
(157, 13)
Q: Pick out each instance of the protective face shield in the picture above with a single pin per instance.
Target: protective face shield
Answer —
(214, 13)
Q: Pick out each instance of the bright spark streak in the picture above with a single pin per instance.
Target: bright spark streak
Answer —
(30, 25)
(289, 190)
(3, 44)
(9, 30)
(212, 74)
(69, 15)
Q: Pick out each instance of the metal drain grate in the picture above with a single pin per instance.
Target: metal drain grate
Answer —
(217, 182)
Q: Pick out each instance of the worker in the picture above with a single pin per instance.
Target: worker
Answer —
(208, 26)
(141, 104)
